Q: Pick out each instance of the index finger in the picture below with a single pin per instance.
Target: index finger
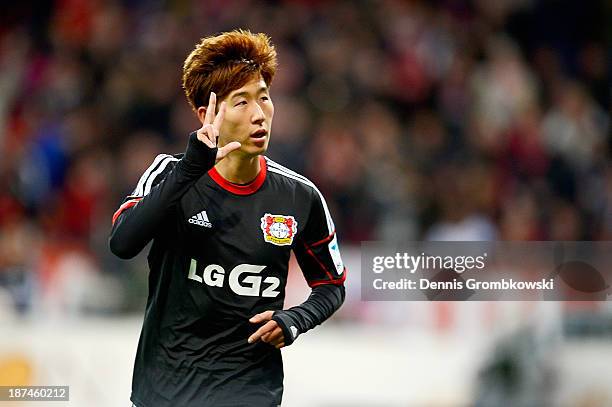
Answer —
(210, 110)
(220, 116)
(269, 326)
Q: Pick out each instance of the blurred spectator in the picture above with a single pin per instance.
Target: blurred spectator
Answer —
(444, 120)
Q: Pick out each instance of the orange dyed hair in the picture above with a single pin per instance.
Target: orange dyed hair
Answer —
(226, 62)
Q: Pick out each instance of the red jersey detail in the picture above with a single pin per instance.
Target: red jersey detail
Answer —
(241, 189)
(324, 240)
(337, 281)
(126, 205)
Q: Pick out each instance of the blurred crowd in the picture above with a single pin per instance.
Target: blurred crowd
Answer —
(442, 120)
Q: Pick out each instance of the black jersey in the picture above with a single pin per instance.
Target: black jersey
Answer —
(220, 255)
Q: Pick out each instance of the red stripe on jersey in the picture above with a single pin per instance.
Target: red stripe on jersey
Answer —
(309, 251)
(337, 281)
(241, 189)
(324, 240)
(126, 205)
(331, 280)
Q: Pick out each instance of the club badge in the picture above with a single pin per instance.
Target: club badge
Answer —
(278, 229)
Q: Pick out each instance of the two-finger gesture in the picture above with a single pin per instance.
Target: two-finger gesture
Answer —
(269, 332)
(209, 132)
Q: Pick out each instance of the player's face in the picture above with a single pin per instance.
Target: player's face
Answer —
(248, 117)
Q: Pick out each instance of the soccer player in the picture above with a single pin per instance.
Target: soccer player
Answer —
(223, 219)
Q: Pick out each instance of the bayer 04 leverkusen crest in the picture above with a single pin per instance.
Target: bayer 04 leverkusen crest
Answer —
(278, 229)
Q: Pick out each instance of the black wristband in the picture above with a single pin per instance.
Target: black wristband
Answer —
(287, 325)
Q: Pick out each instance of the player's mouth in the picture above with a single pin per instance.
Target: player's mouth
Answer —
(259, 137)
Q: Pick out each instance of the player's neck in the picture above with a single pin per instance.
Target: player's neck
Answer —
(239, 170)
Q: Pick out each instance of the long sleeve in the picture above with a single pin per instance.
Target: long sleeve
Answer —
(319, 257)
(138, 219)
(323, 301)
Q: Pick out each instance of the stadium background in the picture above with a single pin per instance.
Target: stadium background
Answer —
(442, 120)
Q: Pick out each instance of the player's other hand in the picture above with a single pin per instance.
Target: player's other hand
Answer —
(269, 332)
(209, 132)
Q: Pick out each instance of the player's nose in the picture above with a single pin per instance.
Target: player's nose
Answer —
(258, 115)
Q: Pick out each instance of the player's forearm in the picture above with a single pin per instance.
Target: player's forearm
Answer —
(136, 226)
(323, 301)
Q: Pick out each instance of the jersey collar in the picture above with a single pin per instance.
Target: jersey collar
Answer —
(241, 189)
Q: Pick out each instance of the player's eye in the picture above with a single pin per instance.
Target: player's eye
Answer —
(265, 98)
(241, 103)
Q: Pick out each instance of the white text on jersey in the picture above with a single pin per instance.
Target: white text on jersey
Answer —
(250, 286)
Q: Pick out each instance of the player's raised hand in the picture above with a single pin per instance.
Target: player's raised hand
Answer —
(209, 132)
(269, 333)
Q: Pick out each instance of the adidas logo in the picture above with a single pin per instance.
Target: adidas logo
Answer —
(200, 219)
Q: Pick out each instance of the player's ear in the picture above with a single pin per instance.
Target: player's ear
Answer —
(201, 112)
